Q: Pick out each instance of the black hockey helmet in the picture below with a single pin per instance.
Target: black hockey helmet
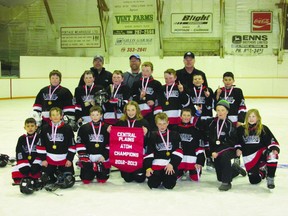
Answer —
(65, 180)
(3, 160)
(27, 186)
(101, 97)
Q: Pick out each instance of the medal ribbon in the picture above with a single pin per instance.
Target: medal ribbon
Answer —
(198, 96)
(30, 146)
(146, 84)
(230, 91)
(221, 128)
(54, 132)
(51, 94)
(132, 123)
(165, 143)
(99, 130)
(115, 92)
(168, 93)
(86, 89)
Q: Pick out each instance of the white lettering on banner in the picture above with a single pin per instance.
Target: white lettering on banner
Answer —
(126, 146)
(130, 163)
(130, 154)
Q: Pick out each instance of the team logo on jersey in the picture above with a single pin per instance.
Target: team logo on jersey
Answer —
(47, 97)
(87, 98)
(93, 138)
(230, 100)
(186, 137)
(196, 100)
(253, 139)
(174, 93)
(59, 137)
(162, 147)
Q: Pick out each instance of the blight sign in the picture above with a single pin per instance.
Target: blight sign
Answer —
(261, 21)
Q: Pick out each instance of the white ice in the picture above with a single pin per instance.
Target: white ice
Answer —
(119, 198)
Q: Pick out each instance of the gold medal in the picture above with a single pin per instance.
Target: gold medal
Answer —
(144, 98)
(97, 145)
(167, 153)
(86, 103)
(49, 102)
(167, 103)
(29, 157)
(54, 146)
(218, 142)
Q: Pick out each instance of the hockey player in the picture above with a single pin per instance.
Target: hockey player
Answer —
(260, 149)
(132, 118)
(146, 92)
(203, 96)
(92, 148)
(222, 140)
(57, 150)
(55, 95)
(235, 98)
(28, 162)
(84, 96)
(119, 96)
(164, 155)
(192, 145)
(173, 99)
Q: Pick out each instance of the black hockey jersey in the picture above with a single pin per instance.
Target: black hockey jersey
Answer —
(159, 155)
(48, 98)
(153, 92)
(57, 147)
(91, 146)
(234, 96)
(84, 96)
(192, 145)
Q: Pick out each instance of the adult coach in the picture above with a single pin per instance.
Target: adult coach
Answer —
(185, 75)
(102, 76)
(135, 74)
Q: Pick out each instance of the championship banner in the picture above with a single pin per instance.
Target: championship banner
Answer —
(126, 148)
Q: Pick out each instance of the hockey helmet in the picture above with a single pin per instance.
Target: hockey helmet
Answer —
(3, 160)
(101, 97)
(27, 186)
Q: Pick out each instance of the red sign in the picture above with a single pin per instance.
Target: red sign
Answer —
(261, 21)
(126, 148)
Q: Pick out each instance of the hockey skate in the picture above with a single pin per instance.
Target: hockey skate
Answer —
(270, 182)
(210, 164)
(225, 187)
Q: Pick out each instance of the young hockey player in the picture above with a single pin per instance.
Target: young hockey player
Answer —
(132, 118)
(93, 150)
(164, 155)
(235, 98)
(28, 164)
(146, 93)
(260, 149)
(222, 141)
(173, 99)
(57, 150)
(84, 96)
(192, 145)
(55, 95)
(119, 96)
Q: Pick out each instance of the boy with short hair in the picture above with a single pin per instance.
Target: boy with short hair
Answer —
(57, 150)
(119, 96)
(84, 96)
(234, 96)
(146, 92)
(54, 95)
(174, 98)
(93, 150)
(164, 155)
(28, 162)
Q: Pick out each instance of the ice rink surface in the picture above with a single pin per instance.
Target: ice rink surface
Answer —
(119, 198)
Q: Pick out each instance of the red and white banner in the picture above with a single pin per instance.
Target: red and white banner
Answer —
(261, 21)
(126, 148)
